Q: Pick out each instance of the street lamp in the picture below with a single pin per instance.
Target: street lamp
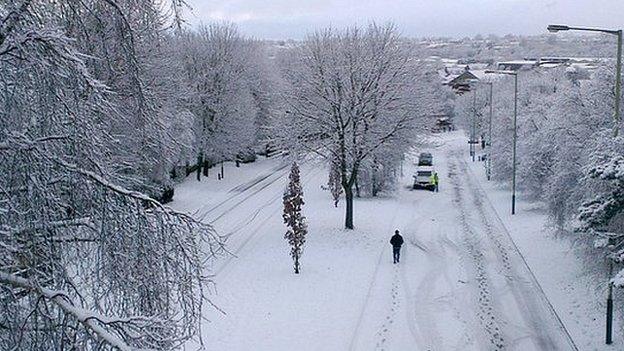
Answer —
(554, 28)
(613, 246)
(515, 133)
(489, 142)
(488, 161)
(473, 132)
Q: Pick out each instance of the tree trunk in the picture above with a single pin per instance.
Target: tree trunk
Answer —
(200, 159)
(206, 166)
(349, 207)
(296, 264)
(357, 188)
(373, 182)
(222, 174)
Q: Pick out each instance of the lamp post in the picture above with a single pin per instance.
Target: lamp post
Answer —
(613, 246)
(488, 161)
(554, 28)
(609, 325)
(473, 128)
(515, 134)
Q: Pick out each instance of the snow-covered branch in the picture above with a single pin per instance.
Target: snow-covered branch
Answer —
(63, 300)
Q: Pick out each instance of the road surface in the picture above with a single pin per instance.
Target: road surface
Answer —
(461, 284)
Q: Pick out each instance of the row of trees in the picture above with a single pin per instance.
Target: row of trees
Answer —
(567, 155)
(99, 101)
(230, 91)
(565, 130)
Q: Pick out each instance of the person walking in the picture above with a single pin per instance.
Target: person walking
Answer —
(436, 181)
(396, 241)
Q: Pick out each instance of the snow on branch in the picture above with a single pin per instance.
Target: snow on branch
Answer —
(611, 169)
(618, 280)
(77, 222)
(20, 142)
(62, 299)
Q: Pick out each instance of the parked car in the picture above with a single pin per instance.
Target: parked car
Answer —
(246, 156)
(425, 159)
(422, 178)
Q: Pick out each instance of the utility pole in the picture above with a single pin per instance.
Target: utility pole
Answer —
(489, 144)
(614, 249)
(515, 134)
(609, 332)
(474, 122)
(515, 141)
(618, 84)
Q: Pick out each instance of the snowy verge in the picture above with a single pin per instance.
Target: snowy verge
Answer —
(576, 297)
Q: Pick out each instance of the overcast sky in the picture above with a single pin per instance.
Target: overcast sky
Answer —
(283, 19)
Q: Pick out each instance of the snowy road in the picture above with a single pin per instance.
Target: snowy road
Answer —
(461, 283)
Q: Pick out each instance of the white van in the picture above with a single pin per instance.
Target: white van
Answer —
(422, 178)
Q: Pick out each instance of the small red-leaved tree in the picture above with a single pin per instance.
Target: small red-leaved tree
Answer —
(294, 220)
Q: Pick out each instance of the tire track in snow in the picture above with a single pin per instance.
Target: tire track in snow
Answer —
(426, 323)
(524, 291)
(358, 323)
(489, 319)
(421, 319)
(244, 188)
(389, 319)
(235, 253)
(466, 338)
(420, 313)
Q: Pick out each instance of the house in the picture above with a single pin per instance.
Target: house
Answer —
(461, 83)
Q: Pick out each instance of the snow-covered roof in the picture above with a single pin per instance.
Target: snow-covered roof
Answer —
(478, 66)
(465, 76)
(425, 168)
(448, 60)
(446, 78)
(479, 73)
(437, 45)
(584, 65)
(518, 62)
(550, 65)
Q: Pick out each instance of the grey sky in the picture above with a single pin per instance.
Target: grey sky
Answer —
(281, 19)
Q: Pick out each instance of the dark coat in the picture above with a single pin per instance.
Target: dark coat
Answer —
(396, 240)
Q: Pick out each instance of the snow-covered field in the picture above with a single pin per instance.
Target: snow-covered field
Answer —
(461, 284)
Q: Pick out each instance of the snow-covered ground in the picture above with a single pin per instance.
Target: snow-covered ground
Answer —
(579, 300)
(461, 284)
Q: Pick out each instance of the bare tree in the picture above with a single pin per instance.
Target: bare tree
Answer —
(351, 93)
